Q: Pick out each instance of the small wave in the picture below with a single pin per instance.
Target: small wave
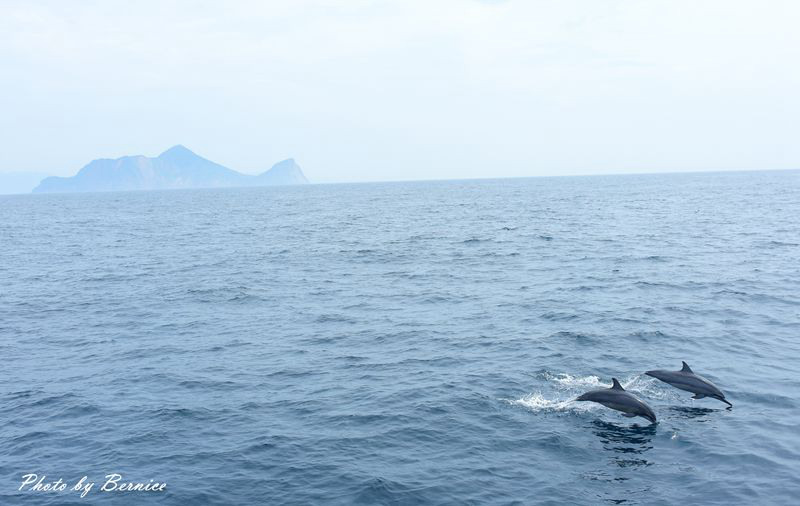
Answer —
(586, 288)
(66, 398)
(558, 316)
(209, 385)
(781, 243)
(576, 336)
(378, 490)
(656, 258)
(333, 318)
(76, 411)
(653, 335)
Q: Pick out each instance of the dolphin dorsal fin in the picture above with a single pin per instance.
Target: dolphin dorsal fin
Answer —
(686, 367)
(616, 385)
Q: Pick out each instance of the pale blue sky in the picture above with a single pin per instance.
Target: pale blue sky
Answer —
(388, 90)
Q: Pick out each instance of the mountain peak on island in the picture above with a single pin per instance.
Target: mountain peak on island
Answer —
(284, 172)
(181, 153)
(177, 150)
(177, 167)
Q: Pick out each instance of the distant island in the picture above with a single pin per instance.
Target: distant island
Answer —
(177, 167)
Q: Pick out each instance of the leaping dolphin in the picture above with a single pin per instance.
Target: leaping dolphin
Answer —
(687, 380)
(617, 398)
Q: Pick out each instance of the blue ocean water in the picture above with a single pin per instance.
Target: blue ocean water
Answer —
(404, 343)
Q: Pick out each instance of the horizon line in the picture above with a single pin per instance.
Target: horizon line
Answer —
(433, 180)
(602, 174)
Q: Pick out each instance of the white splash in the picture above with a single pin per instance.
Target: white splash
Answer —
(565, 380)
(649, 388)
(537, 402)
(566, 387)
(636, 384)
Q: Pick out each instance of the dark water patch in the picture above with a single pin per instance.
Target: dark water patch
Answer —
(649, 336)
(475, 240)
(778, 244)
(210, 385)
(379, 490)
(697, 414)
(576, 337)
(559, 316)
(52, 400)
(333, 318)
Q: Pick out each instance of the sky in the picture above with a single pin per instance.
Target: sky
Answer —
(363, 90)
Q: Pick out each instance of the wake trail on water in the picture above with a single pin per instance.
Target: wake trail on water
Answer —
(561, 389)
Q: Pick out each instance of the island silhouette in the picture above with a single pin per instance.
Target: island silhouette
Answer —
(177, 167)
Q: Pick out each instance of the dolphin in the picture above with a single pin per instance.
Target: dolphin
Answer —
(617, 398)
(687, 380)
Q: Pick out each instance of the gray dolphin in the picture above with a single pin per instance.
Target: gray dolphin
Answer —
(617, 398)
(687, 380)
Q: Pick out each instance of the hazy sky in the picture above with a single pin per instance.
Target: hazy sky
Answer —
(372, 90)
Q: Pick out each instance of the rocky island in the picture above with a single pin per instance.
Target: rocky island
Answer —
(177, 167)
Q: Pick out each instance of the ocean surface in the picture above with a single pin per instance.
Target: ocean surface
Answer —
(404, 343)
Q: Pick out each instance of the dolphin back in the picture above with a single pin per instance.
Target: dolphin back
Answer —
(593, 395)
(688, 380)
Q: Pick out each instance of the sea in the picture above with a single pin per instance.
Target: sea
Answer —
(403, 343)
